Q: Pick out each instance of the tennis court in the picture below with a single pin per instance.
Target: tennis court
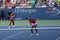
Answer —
(48, 30)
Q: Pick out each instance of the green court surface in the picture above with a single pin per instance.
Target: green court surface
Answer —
(26, 22)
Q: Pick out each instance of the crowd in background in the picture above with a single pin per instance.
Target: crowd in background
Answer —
(17, 3)
(48, 3)
(28, 3)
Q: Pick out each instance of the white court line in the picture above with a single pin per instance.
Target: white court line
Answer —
(29, 28)
(13, 35)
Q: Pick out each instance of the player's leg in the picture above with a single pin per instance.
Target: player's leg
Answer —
(36, 32)
(36, 29)
(9, 24)
(3, 18)
(13, 23)
(32, 30)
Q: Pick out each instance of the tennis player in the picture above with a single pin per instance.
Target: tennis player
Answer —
(11, 20)
(33, 25)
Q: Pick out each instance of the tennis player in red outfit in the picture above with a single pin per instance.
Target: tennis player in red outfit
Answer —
(33, 25)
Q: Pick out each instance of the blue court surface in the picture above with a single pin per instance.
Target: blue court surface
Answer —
(21, 33)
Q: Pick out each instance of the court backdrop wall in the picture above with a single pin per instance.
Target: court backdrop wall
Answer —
(37, 13)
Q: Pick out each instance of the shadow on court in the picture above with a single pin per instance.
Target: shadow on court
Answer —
(44, 34)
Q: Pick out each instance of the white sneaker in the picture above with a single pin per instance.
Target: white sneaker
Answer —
(32, 34)
(9, 27)
(37, 34)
